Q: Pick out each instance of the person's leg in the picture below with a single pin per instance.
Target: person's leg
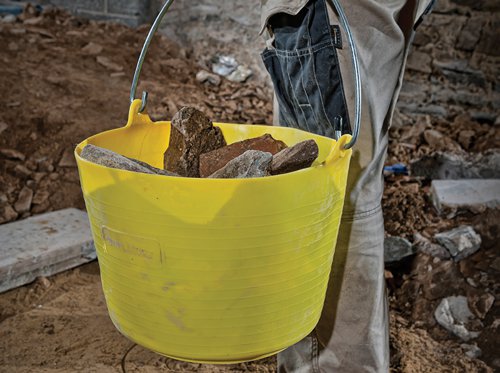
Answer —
(352, 334)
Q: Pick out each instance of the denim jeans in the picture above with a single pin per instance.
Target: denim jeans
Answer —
(309, 62)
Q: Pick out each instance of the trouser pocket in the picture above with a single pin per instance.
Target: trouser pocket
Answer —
(303, 63)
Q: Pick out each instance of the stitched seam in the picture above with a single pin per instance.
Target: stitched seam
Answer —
(307, 96)
(351, 216)
(314, 352)
(321, 95)
(295, 98)
(297, 52)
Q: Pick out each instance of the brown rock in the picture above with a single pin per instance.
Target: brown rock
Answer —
(297, 157)
(7, 213)
(481, 304)
(41, 196)
(22, 171)
(252, 163)
(24, 199)
(12, 154)
(111, 159)
(192, 134)
(67, 159)
(216, 159)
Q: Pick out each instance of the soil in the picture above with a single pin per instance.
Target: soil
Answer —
(58, 90)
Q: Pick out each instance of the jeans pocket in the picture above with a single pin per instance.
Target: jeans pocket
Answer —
(303, 65)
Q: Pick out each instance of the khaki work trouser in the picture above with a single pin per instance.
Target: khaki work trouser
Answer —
(352, 334)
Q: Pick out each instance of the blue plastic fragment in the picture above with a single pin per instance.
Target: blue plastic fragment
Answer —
(397, 169)
(16, 9)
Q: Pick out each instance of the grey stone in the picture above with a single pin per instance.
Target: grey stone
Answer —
(461, 242)
(294, 158)
(453, 314)
(241, 74)
(476, 195)
(24, 199)
(252, 163)
(9, 18)
(7, 213)
(204, 76)
(192, 134)
(108, 158)
(12, 154)
(43, 245)
(154, 169)
(453, 166)
(397, 248)
(423, 245)
(471, 350)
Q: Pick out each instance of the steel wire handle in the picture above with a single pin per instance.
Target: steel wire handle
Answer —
(343, 22)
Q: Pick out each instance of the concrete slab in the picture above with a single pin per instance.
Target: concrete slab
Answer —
(43, 245)
(475, 195)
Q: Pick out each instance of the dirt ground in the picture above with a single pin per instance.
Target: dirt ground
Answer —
(59, 89)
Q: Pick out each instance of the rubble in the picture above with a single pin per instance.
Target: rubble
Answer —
(24, 199)
(240, 75)
(476, 195)
(216, 159)
(192, 134)
(92, 49)
(481, 304)
(12, 154)
(224, 65)
(7, 213)
(397, 248)
(299, 156)
(22, 171)
(67, 159)
(108, 158)
(453, 314)
(3, 127)
(108, 64)
(453, 166)
(204, 76)
(252, 163)
(471, 350)
(460, 242)
(424, 245)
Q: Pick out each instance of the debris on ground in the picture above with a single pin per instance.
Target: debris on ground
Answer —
(453, 314)
(397, 248)
(460, 242)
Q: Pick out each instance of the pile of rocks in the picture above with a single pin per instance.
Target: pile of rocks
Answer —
(198, 149)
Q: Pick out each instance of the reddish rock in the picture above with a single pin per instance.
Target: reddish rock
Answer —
(7, 213)
(216, 159)
(192, 134)
(252, 163)
(297, 157)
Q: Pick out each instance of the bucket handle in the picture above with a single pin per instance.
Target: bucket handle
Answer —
(343, 22)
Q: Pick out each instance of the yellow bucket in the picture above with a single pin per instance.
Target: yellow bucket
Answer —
(213, 270)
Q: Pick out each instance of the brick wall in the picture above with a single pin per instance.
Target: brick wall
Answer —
(130, 12)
